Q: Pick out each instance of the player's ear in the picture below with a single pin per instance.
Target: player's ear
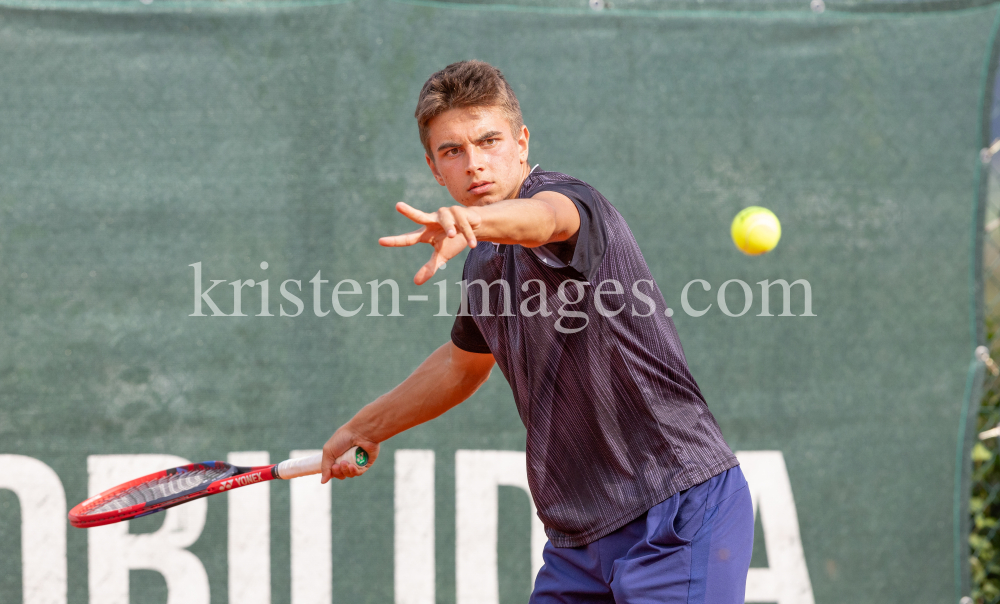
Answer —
(434, 170)
(522, 143)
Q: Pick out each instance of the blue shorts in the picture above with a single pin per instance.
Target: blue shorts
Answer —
(693, 548)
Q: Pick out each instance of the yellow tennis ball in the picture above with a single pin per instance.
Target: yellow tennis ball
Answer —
(756, 230)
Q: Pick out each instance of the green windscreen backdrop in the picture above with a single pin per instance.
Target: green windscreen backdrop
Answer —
(148, 151)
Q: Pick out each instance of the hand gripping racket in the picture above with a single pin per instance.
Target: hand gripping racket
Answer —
(167, 488)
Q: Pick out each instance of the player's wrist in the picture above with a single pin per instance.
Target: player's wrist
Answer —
(495, 223)
(525, 222)
(363, 427)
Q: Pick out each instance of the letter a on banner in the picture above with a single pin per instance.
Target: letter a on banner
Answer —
(786, 580)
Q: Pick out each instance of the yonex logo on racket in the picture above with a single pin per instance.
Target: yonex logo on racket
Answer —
(241, 481)
(246, 479)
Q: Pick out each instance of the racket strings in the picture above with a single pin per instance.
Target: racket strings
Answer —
(165, 486)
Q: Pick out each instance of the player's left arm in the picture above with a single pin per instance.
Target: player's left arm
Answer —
(547, 217)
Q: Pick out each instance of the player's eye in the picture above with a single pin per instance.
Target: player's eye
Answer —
(489, 142)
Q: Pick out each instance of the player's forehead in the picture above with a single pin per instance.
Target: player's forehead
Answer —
(466, 124)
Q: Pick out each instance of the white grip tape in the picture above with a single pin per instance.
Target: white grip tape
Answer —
(306, 466)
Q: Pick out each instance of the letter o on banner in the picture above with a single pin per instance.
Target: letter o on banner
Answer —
(747, 297)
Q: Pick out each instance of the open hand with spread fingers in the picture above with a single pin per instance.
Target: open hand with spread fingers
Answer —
(449, 231)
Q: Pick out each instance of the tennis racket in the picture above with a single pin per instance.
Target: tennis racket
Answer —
(167, 488)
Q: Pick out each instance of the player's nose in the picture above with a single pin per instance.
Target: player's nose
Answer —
(476, 160)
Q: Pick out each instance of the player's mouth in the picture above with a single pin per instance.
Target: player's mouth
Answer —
(480, 187)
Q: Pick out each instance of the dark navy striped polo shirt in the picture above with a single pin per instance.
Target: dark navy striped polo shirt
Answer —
(615, 421)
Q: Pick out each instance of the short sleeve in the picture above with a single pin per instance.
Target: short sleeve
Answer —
(466, 335)
(592, 239)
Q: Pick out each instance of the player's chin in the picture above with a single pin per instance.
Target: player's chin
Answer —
(478, 201)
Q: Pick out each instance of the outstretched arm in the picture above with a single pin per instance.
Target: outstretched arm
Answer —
(446, 378)
(547, 217)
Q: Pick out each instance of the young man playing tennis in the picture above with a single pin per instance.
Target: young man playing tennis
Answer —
(642, 500)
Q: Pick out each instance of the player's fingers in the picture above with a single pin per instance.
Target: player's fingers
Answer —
(414, 214)
(464, 227)
(343, 470)
(328, 473)
(430, 267)
(329, 467)
(424, 274)
(329, 458)
(352, 470)
(406, 239)
(446, 219)
(348, 468)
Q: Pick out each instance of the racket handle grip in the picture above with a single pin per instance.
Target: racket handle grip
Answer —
(306, 466)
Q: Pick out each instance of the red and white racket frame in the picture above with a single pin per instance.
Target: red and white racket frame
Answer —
(236, 477)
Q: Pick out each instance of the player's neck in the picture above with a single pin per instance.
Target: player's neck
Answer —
(525, 171)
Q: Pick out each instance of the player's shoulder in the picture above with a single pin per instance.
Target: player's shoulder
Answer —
(539, 180)
(576, 189)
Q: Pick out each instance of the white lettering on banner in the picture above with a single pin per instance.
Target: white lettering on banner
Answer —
(113, 551)
(413, 501)
(477, 476)
(690, 310)
(287, 295)
(250, 536)
(43, 527)
(786, 297)
(786, 580)
(203, 296)
(312, 538)
(747, 298)
(376, 285)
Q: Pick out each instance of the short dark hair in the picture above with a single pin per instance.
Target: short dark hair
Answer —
(466, 84)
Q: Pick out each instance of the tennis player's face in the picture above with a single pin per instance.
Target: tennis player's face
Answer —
(474, 154)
